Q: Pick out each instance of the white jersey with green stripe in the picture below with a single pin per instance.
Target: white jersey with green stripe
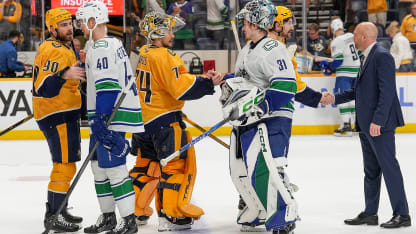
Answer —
(108, 69)
(268, 66)
(342, 47)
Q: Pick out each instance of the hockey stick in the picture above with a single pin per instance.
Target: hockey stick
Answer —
(330, 60)
(165, 161)
(237, 40)
(16, 125)
(87, 160)
(203, 131)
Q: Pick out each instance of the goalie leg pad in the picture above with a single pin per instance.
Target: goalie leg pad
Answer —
(238, 171)
(282, 208)
(145, 177)
(178, 178)
(262, 177)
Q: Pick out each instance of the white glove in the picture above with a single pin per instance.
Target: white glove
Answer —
(243, 107)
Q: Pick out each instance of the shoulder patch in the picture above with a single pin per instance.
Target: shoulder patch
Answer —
(171, 52)
(56, 45)
(270, 45)
(100, 43)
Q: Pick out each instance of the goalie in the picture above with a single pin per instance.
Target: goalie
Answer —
(164, 85)
(259, 102)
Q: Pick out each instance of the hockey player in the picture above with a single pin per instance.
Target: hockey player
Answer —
(282, 29)
(56, 107)
(346, 64)
(108, 72)
(164, 85)
(259, 101)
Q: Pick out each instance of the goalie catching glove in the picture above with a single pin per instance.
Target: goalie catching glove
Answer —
(241, 105)
(111, 140)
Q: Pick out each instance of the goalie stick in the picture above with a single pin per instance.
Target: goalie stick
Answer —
(203, 131)
(165, 161)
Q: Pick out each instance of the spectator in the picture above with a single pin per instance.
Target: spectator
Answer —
(317, 44)
(377, 11)
(404, 8)
(10, 14)
(183, 37)
(400, 49)
(408, 28)
(8, 56)
(218, 12)
(154, 5)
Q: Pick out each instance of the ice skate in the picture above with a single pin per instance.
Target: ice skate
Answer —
(59, 223)
(344, 131)
(289, 229)
(127, 225)
(252, 228)
(142, 220)
(105, 222)
(167, 223)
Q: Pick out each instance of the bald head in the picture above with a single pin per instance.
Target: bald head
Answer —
(365, 34)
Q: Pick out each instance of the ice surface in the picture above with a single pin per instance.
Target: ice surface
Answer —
(327, 169)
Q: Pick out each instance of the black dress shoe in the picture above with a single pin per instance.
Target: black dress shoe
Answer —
(397, 221)
(363, 218)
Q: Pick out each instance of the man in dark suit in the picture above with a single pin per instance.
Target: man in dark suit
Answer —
(378, 114)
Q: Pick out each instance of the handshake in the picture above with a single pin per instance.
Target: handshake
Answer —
(327, 98)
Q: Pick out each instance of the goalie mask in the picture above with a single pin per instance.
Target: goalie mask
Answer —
(156, 24)
(259, 12)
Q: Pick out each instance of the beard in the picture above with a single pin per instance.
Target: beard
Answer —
(288, 34)
(64, 37)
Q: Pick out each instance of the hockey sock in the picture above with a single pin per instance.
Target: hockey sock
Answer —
(55, 200)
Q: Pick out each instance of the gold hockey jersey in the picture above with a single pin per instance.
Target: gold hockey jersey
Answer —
(162, 80)
(55, 100)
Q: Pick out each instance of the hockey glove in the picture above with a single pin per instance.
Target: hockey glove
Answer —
(116, 144)
(245, 107)
(325, 68)
(98, 127)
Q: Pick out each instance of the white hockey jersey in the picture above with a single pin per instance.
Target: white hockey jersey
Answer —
(269, 66)
(342, 47)
(108, 68)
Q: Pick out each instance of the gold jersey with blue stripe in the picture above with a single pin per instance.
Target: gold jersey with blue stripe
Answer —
(55, 100)
(164, 84)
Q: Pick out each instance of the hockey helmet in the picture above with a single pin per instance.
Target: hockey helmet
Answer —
(337, 24)
(259, 12)
(283, 14)
(56, 15)
(94, 9)
(156, 24)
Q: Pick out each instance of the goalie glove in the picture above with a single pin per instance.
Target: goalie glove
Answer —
(244, 107)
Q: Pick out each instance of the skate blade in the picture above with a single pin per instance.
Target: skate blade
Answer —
(174, 228)
(345, 134)
(141, 223)
(252, 229)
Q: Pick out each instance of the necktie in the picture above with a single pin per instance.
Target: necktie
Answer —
(362, 58)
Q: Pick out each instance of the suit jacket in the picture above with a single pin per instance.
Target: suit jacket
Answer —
(375, 93)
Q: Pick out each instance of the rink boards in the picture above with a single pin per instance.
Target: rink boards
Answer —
(16, 104)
